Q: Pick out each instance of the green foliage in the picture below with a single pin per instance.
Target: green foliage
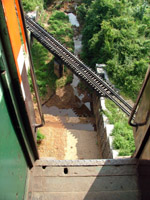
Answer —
(45, 71)
(40, 136)
(42, 69)
(81, 12)
(123, 139)
(52, 76)
(117, 33)
(61, 29)
(58, 15)
(30, 5)
(122, 132)
(46, 3)
(63, 81)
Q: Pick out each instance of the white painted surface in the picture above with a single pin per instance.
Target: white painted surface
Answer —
(23, 91)
(21, 60)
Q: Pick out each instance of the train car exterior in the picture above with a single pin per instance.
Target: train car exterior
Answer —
(18, 149)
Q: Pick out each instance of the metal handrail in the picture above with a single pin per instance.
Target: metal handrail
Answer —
(135, 124)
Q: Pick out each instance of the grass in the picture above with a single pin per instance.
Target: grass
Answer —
(122, 132)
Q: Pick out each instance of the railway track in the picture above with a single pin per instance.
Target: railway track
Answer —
(76, 65)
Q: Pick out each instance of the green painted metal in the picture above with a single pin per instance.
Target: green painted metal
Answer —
(16, 114)
(17, 146)
(13, 166)
(14, 90)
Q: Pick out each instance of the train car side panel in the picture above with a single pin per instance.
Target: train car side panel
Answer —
(13, 166)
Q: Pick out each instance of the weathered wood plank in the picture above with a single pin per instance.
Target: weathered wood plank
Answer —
(86, 180)
(93, 162)
(142, 115)
(144, 171)
(144, 162)
(128, 195)
(80, 184)
(95, 171)
(145, 195)
(144, 183)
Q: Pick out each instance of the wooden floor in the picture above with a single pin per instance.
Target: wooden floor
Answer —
(84, 180)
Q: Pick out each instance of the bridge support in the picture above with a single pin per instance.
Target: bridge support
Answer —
(58, 67)
(103, 130)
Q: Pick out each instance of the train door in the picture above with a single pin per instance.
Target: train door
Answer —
(18, 149)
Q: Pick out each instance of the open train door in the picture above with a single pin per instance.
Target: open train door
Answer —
(18, 149)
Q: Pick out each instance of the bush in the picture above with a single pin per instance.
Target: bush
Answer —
(61, 29)
(59, 26)
(32, 4)
(117, 33)
(58, 15)
(40, 136)
(42, 68)
(122, 132)
(63, 81)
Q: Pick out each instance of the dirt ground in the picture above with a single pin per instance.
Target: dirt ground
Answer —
(66, 140)
(69, 131)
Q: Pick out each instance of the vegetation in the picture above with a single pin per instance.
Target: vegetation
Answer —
(60, 28)
(122, 132)
(117, 33)
(42, 68)
(45, 71)
(114, 32)
(31, 5)
(40, 136)
(66, 79)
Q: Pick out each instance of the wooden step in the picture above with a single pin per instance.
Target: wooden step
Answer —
(90, 162)
(85, 180)
(111, 195)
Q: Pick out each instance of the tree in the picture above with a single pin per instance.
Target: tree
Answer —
(117, 33)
